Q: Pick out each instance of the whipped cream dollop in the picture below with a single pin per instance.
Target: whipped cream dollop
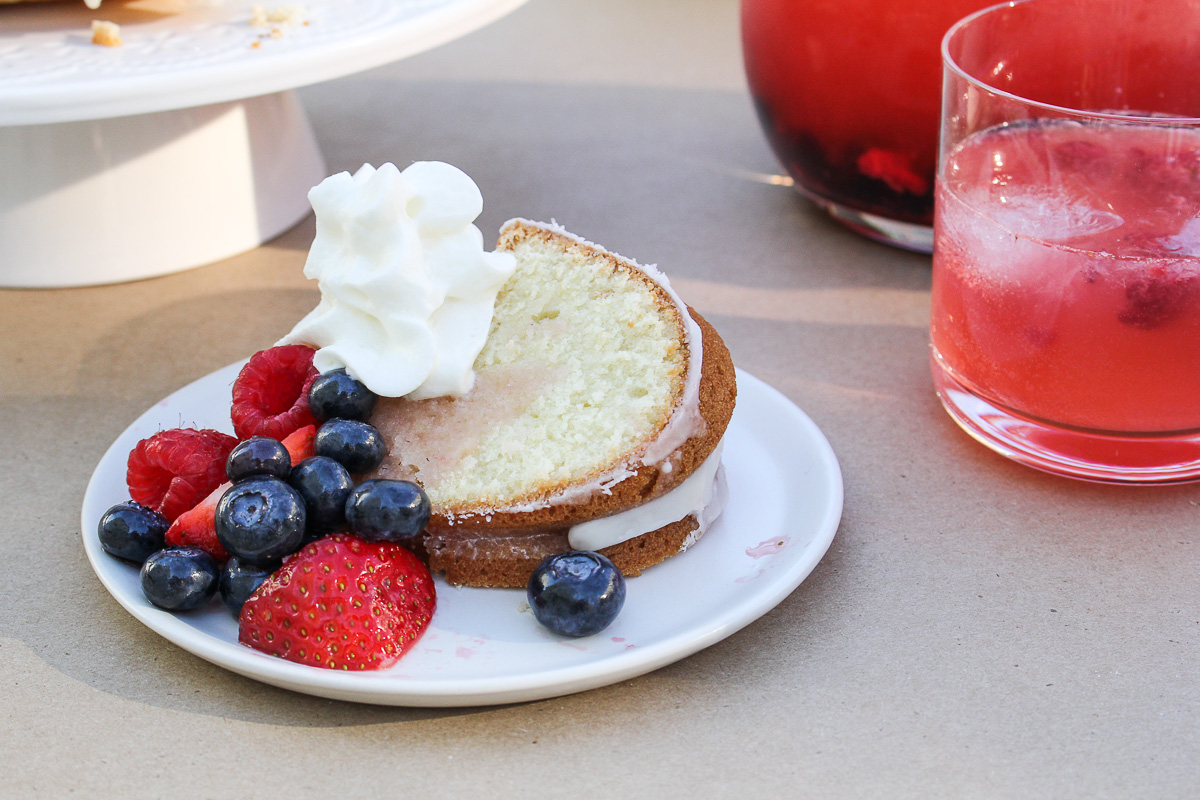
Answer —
(407, 290)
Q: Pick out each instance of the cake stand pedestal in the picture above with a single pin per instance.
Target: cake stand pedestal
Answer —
(107, 200)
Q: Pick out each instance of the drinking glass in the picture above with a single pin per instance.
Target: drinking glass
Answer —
(1066, 270)
(848, 94)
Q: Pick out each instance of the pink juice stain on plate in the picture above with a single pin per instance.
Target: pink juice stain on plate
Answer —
(767, 548)
(748, 578)
(580, 647)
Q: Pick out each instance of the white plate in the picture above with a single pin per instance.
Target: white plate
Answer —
(205, 52)
(483, 645)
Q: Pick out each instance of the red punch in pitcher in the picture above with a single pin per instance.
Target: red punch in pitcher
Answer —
(848, 93)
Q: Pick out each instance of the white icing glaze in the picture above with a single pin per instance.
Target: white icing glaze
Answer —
(711, 511)
(702, 495)
(407, 290)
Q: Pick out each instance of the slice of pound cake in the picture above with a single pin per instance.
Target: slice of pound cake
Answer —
(594, 423)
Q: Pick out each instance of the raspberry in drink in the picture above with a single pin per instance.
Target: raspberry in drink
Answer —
(1067, 276)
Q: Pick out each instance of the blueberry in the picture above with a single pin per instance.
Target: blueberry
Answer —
(131, 531)
(179, 579)
(387, 511)
(258, 455)
(356, 445)
(336, 395)
(238, 581)
(324, 484)
(261, 520)
(577, 593)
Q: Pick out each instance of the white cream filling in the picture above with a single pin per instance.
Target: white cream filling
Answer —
(701, 495)
(711, 511)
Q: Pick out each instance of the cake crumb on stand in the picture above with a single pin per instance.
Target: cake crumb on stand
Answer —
(106, 34)
(275, 19)
(261, 16)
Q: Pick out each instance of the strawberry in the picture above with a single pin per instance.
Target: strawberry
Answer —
(174, 469)
(894, 169)
(341, 603)
(270, 394)
(301, 443)
(197, 527)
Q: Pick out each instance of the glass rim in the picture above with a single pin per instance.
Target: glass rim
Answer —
(951, 64)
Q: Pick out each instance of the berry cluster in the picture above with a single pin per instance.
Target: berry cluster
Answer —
(253, 518)
(312, 562)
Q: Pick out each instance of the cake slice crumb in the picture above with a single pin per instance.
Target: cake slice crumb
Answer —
(262, 16)
(107, 34)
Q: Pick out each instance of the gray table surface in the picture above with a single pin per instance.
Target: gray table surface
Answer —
(977, 629)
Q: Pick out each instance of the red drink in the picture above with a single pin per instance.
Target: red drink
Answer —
(848, 93)
(1067, 275)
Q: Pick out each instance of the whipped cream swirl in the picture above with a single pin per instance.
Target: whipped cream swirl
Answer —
(407, 290)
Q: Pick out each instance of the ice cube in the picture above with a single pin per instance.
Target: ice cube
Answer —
(1050, 216)
(1186, 242)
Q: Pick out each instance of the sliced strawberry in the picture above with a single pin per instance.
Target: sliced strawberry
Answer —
(301, 443)
(341, 603)
(270, 394)
(173, 470)
(197, 527)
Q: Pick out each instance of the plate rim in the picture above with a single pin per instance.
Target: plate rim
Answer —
(382, 689)
(168, 88)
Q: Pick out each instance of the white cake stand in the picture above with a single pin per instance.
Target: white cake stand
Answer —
(186, 145)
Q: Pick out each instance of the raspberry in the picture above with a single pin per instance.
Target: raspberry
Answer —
(1156, 297)
(1162, 173)
(270, 395)
(175, 469)
(1080, 154)
(341, 603)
